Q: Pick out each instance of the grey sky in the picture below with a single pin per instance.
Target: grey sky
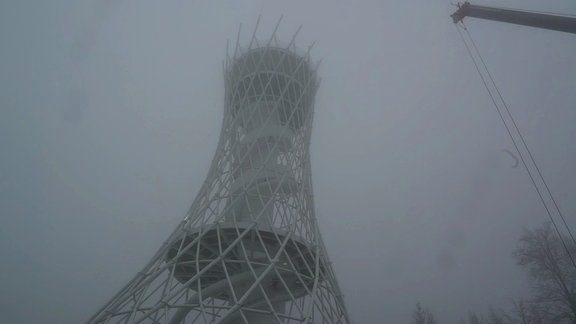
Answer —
(110, 113)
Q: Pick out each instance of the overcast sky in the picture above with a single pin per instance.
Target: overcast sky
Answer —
(110, 113)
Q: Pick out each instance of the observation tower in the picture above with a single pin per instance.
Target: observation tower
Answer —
(249, 249)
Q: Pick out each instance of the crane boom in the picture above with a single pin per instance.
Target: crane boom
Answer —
(526, 18)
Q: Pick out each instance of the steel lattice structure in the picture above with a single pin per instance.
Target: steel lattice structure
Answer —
(249, 249)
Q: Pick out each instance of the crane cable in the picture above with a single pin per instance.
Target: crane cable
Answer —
(515, 141)
(522, 139)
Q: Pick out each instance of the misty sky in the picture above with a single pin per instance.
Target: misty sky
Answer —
(110, 113)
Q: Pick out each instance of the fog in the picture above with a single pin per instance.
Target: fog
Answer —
(110, 113)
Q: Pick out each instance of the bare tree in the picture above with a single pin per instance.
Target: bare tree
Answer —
(494, 317)
(422, 316)
(527, 313)
(548, 259)
(553, 275)
(474, 319)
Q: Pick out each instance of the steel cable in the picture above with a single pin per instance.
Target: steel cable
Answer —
(514, 140)
(521, 138)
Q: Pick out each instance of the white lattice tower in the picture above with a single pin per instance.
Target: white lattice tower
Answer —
(249, 249)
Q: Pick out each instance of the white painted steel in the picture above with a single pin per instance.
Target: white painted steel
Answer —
(249, 249)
